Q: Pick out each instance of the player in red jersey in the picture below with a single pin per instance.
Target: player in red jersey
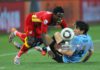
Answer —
(36, 26)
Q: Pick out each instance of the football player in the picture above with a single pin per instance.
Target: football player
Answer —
(36, 25)
(78, 49)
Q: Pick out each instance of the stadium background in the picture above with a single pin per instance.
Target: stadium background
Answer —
(13, 13)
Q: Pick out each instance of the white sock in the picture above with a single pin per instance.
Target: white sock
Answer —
(38, 48)
(17, 56)
(15, 32)
(48, 48)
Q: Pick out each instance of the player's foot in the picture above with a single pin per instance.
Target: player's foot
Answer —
(16, 60)
(40, 50)
(50, 53)
(11, 36)
(17, 45)
(13, 29)
(43, 53)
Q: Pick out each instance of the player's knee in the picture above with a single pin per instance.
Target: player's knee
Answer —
(57, 33)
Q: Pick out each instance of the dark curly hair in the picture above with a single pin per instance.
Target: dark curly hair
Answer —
(58, 9)
(82, 26)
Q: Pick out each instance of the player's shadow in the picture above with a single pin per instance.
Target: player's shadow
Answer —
(46, 62)
(90, 63)
(53, 63)
(40, 62)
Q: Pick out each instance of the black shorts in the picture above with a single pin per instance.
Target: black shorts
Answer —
(37, 42)
(58, 56)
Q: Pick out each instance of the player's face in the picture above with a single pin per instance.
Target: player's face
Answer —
(77, 31)
(58, 17)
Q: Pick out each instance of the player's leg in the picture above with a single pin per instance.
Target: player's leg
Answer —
(37, 43)
(17, 45)
(11, 36)
(58, 56)
(48, 40)
(38, 48)
(55, 55)
(28, 44)
(20, 35)
(21, 51)
(52, 41)
(14, 33)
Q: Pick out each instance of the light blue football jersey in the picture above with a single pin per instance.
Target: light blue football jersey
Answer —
(80, 45)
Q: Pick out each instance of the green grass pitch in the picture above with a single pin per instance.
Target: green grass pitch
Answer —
(33, 60)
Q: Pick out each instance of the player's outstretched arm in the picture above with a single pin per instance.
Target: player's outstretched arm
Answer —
(88, 56)
(66, 52)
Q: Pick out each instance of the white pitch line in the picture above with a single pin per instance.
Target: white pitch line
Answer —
(13, 53)
(7, 54)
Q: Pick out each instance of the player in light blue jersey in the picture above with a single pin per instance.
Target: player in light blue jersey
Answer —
(80, 47)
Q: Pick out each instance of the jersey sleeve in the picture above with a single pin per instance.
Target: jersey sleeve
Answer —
(63, 24)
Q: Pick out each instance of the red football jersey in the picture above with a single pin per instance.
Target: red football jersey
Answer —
(30, 27)
(46, 18)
